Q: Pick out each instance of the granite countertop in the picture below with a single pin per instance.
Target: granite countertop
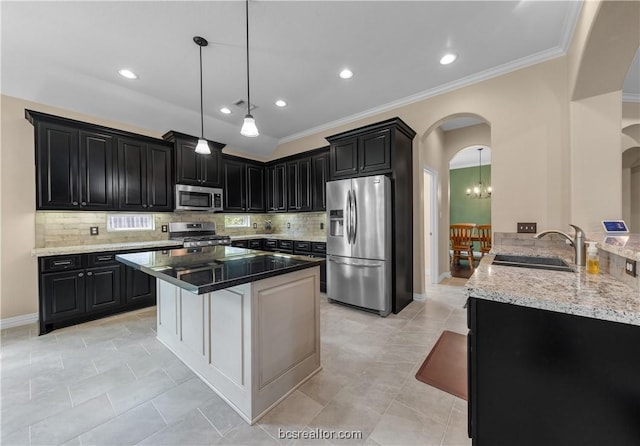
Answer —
(600, 296)
(627, 245)
(305, 238)
(82, 249)
(202, 270)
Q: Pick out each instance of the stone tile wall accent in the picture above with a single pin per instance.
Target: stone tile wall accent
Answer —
(72, 228)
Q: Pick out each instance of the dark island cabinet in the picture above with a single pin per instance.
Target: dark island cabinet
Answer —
(299, 185)
(144, 173)
(194, 168)
(86, 167)
(81, 287)
(74, 168)
(276, 187)
(243, 185)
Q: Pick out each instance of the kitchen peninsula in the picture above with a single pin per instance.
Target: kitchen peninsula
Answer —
(553, 355)
(246, 322)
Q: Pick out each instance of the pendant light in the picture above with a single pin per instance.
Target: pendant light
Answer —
(203, 146)
(249, 126)
(480, 190)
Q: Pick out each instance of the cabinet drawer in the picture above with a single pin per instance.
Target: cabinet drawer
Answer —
(319, 247)
(255, 244)
(61, 263)
(101, 259)
(240, 243)
(285, 244)
(270, 244)
(302, 246)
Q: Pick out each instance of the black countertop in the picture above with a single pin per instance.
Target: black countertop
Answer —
(202, 270)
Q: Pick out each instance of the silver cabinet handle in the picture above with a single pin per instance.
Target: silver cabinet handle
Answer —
(105, 258)
(80, 274)
(61, 262)
(84, 203)
(75, 203)
(150, 205)
(89, 273)
(144, 205)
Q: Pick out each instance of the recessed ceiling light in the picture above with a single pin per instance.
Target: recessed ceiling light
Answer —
(125, 72)
(346, 74)
(225, 110)
(448, 58)
(281, 103)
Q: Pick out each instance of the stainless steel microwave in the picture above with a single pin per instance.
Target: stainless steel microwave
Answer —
(198, 198)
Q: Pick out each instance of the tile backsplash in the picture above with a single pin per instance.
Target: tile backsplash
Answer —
(72, 228)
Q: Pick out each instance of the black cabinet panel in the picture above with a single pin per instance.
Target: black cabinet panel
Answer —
(132, 174)
(62, 295)
(255, 188)
(139, 286)
(240, 243)
(344, 158)
(234, 186)
(195, 168)
(159, 184)
(299, 185)
(320, 175)
(102, 287)
(96, 173)
(276, 190)
(374, 152)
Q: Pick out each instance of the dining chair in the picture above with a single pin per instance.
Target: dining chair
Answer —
(460, 236)
(484, 237)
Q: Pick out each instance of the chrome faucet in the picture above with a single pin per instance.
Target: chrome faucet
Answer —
(577, 242)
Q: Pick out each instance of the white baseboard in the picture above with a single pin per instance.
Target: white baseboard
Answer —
(445, 275)
(17, 321)
(419, 297)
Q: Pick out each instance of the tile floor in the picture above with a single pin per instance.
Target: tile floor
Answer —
(110, 382)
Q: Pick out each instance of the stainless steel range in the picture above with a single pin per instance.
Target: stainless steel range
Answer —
(197, 234)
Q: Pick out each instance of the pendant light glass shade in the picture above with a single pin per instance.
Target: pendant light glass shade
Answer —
(479, 190)
(203, 147)
(249, 127)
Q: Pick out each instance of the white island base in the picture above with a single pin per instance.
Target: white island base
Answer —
(253, 344)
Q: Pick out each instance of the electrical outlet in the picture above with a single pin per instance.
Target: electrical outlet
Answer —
(165, 228)
(288, 225)
(93, 230)
(630, 267)
(321, 225)
(527, 228)
(255, 226)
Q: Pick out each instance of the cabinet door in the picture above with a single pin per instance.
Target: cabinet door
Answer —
(292, 186)
(57, 165)
(63, 295)
(344, 158)
(211, 168)
(132, 174)
(188, 169)
(270, 184)
(159, 184)
(234, 186)
(320, 175)
(280, 188)
(96, 171)
(102, 288)
(139, 287)
(304, 184)
(255, 188)
(374, 152)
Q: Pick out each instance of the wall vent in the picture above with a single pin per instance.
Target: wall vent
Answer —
(242, 104)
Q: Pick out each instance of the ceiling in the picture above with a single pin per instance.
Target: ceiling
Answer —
(72, 51)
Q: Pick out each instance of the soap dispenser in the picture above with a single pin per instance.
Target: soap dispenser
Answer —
(593, 261)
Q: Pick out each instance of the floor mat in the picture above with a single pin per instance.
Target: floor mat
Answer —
(446, 365)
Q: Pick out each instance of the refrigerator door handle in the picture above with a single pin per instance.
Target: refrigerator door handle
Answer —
(354, 264)
(348, 218)
(354, 218)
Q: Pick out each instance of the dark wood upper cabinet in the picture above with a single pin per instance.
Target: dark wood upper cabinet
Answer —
(299, 184)
(255, 187)
(374, 152)
(276, 187)
(344, 158)
(144, 173)
(74, 168)
(320, 175)
(195, 168)
(243, 185)
(82, 166)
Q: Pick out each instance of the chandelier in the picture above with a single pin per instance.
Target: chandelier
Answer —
(479, 190)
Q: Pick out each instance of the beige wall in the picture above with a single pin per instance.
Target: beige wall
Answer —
(634, 211)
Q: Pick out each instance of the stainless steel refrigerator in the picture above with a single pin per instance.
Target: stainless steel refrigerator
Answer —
(359, 242)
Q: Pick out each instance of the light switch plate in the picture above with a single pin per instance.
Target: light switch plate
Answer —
(527, 228)
(93, 230)
(165, 228)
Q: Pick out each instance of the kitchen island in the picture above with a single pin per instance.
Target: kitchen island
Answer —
(554, 356)
(246, 322)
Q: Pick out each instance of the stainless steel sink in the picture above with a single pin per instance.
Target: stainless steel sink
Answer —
(547, 263)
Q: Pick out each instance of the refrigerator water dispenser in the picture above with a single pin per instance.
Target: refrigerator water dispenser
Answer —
(336, 223)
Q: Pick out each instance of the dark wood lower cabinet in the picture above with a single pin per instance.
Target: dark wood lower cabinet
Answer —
(81, 287)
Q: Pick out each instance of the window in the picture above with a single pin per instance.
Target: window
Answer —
(236, 221)
(130, 222)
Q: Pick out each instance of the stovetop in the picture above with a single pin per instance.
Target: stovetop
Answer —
(197, 234)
